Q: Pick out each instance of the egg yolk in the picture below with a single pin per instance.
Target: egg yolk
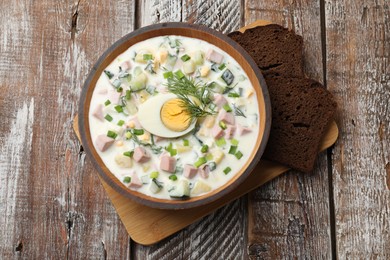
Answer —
(174, 116)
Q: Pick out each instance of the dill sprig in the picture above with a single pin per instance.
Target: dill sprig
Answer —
(196, 97)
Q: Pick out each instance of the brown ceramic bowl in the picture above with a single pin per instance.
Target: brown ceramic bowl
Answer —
(188, 30)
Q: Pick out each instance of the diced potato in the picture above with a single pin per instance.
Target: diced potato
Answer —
(146, 167)
(143, 96)
(203, 131)
(162, 55)
(140, 56)
(200, 187)
(217, 155)
(198, 57)
(204, 71)
(183, 149)
(209, 121)
(145, 137)
(249, 93)
(123, 161)
(189, 67)
(119, 143)
(240, 102)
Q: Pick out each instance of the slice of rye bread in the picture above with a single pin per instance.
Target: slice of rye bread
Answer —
(275, 49)
(301, 111)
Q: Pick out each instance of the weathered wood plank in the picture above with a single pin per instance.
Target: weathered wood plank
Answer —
(289, 217)
(51, 201)
(358, 52)
(222, 234)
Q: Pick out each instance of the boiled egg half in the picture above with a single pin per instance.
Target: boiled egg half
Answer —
(163, 115)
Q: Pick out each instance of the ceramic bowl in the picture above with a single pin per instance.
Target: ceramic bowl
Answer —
(189, 30)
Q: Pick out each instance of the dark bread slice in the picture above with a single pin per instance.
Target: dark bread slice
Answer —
(301, 111)
(275, 49)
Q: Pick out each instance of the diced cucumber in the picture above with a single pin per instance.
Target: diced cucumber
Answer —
(171, 61)
(138, 82)
(212, 166)
(155, 186)
(189, 67)
(228, 77)
(200, 187)
(198, 57)
(145, 179)
(216, 87)
(181, 190)
(131, 108)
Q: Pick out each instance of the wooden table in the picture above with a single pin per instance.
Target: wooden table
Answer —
(52, 205)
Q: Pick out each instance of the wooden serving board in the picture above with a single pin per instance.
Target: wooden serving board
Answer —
(147, 225)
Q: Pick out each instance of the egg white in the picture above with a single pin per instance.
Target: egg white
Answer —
(150, 119)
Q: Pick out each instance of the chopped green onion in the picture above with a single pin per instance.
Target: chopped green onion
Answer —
(120, 89)
(127, 179)
(154, 175)
(119, 108)
(128, 134)
(220, 142)
(233, 95)
(179, 74)
(121, 122)
(128, 94)
(108, 118)
(222, 125)
(107, 102)
(112, 134)
(227, 170)
(170, 149)
(128, 153)
(109, 74)
(168, 75)
(222, 66)
(227, 108)
(173, 177)
(238, 155)
(200, 161)
(185, 57)
(234, 142)
(147, 57)
(204, 148)
(138, 131)
(232, 149)
(186, 142)
(209, 157)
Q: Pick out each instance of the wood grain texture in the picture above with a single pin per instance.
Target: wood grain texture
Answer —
(230, 231)
(358, 52)
(52, 205)
(290, 216)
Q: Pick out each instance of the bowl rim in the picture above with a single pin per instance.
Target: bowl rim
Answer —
(187, 203)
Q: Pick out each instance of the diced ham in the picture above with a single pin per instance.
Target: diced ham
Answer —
(135, 181)
(140, 155)
(103, 142)
(229, 132)
(158, 138)
(114, 96)
(125, 65)
(214, 56)
(242, 130)
(98, 112)
(217, 132)
(189, 171)
(204, 171)
(168, 163)
(219, 100)
(226, 117)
